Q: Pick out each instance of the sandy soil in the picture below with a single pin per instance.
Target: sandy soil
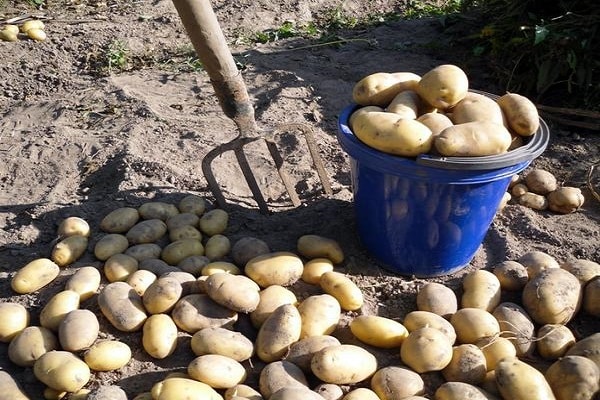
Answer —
(77, 142)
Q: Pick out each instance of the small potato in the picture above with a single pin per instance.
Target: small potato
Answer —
(217, 371)
(533, 201)
(271, 297)
(278, 268)
(279, 331)
(57, 308)
(554, 340)
(78, 330)
(512, 275)
(473, 139)
(437, 298)
(188, 282)
(588, 347)
(107, 355)
(172, 388)
(147, 231)
(506, 197)
(109, 245)
(494, 349)
(140, 280)
(536, 261)
(144, 251)
(220, 266)
(420, 319)
(540, 181)
(315, 246)
(214, 222)
(302, 351)
(157, 210)
(11, 390)
(85, 281)
(181, 220)
(175, 252)
(436, 122)
(461, 391)
(184, 232)
(320, 315)
(15, 318)
(122, 306)
(397, 383)
(280, 374)
(521, 114)
(361, 394)
(379, 88)
(477, 107)
(73, 226)
(517, 326)
(565, 200)
(573, 377)
(343, 365)
(30, 344)
(247, 248)
(62, 371)
(159, 336)
(32, 24)
(591, 297)
(584, 270)
(243, 391)
(426, 350)
(161, 295)
(236, 292)
(347, 293)
(443, 86)
(481, 289)
(518, 380)
(313, 269)
(120, 220)
(519, 190)
(222, 341)
(378, 331)
(468, 365)
(192, 204)
(405, 104)
(472, 324)
(119, 267)
(69, 250)
(217, 247)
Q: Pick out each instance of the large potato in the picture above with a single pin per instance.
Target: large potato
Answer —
(302, 351)
(236, 292)
(62, 371)
(122, 306)
(426, 350)
(34, 275)
(119, 267)
(247, 248)
(518, 380)
(157, 210)
(30, 344)
(588, 347)
(140, 280)
(159, 336)
(574, 378)
(271, 297)
(192, 204)
(481, 289)
(420, 319)
(85, 281)
(443, 86)
(78, 330)
(343, 365)
(278, 268)
(172, 388)
(69, 250)
(521, 114)
(584, 270)
(495, 349)
(222, 341)
(347, 293)
(177, 251)
(472, 324)
(379, 88)
(517, 326)
(198, 311)
(316, 246)
(320, 315)
(214, 222)
(217, 247)
(461, 391)
(279, 374)
(120, 220)
(554, 340)
(437, 298)
(107, 355)
(73, 226)
(217, 371)
(565, 199)
(146, 231)
(57, 308)
(15, 318)
(11, 390)
(468, 365)
(473, 139)
(162, 294)
(278, 332)
(477, 107)
(397, 383)
(536, 261)
(378, 331)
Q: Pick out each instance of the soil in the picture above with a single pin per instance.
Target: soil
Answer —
(77, 139)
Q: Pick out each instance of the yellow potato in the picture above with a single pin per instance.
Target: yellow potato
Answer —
(405, 104)
(159, 336)
(591, 297)
(144, 251)
(426, 350)
(517, 326)
(271, 297)
(161, 295)
(436, 122)
(295, 393)
(472, 324)
(518, 380)
(147, 231)
(473, 139)
(584, 270)
(279, 375)
(236, 292)
(347, 293)
(140, 280)
(521, 114)
(320, 315)
(217, 371)
(15, 318)
(378, 331)
(172, 388)
(107, 355)
(120, 220)
(198, 311)
(181, 220)
(122, 306)
(533, 201)
(247, 248)
(316, 246)
(573, 377)
(57, 308)
(361, 394)
(217, 247)
(222, 341)
(494, 349)
(343, 365)
(62, 371)
(32, 24)
(468, 365)
(302, 351)
(313, 269)
(278, 268)
(192, 204)
(220, 266)
(511, 274)
(109, 245)
(477, 107)
(243, 391)
(85, 281)
(379, 88)
(461, 391)
(119, 267)
(588, 347)
(73, 226)
(565, 200)
(11, 28)
(157, 210)
(30, 344)
(175, 252)
(481, 289)
(420, 319)
(214, 222)
(11, 390)
(359, 111)
(443, 86)
(69, 250)
(394, 382)
(554, 340)
(437, 298)
(78, 330)
(8, 35)
(279, 331)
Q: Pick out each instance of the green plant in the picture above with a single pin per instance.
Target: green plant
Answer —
(116, 56)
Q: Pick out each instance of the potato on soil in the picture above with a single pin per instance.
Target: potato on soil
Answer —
(36, 34)
(30, 344)
(302, 351)
(146, 231)
(296, 393)
(443, 86)
(222, 341)
(107, 355)
(122, 306)
(193, 264)
(517, 380)
(11, 390)
(512, 275)
(181, 220)
(380, 88)
(426, 350)
(34, 275)
(192, 204)
(540, 181)
(73, 226)
(243, 391)
(481, 289)
(472, 324)
(461, 391)
(177, 251)
(420, 319)
(343, 365)
(316, 246)
(279, 331)
(588, 347)
(477, 107)
(57, 308)
(473, 139)
(519, 190)
(361, 394)
(15, 318)
(277, 268)
(468, 365)
(565, 200)
(521, 114)
(184, 232)
(119, 267)
(533, 201)
(195, 312)
(172, 388)
(32, 24)
(394, 382)
(157, 210)
(574, 378)
(494, 349)
(8, 35)
(378, 331)
(591, 297)
(313, 269)
(159, 336)
(271, 297)
(214, 222)
(320, 315)
(246, 248)
(329, 391)
(161, 295)
(236, 292)
(62, 371)
(554, 340)
(517, 326)
(78, 330)
(584, 270)
(280, 374)
(217, 247)
(120, 220)
(347, 293)
(69, 250)
(220, 266)
(154, 265)
(85, 281)
(536, 261)
(109, 245)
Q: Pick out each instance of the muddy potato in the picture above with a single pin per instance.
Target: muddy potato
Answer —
(222, 341)
(320, 315)
(584, 270)
(302, 351)
(146, 231)
(437, 298)
(588, 347)
(144, 251)
(379, 88)
(461, 391)
(85, 281)
(172, 388)
(243, 391)
(220, 266)
(78, 330)
(343, 365)
(214, 222)
(11, 390)
(296, 393)
(329, 391)
(494, 349)
(378, 331)
(236, 292)
(175, 252)
(73, 226)
(15, 318)
(397, 383)
(473, 139)
(192, 204)
(159, 336)
(193, 264)
(34, 275)
(512, 275)
(361, 394)
(184, 232)
(246, 248)
(347, 293)
(122, 306)
(517, 380)
(107, 355)
(313, 269)
(426, 350)
(591, 297)
(109, 245)
(573, 377)
(316, 246)
(436, 122)
(120, 220)
(69, 250)
(533, 201)
(521, 114)
(554, 340)
(181, 220)
(198, 311)
(477, 107)
(481, 289)
(217, 371)
(157, 210)
(62, 371)
(565, 200)
(405, 104)
(468, 365)
(443, 86)
(217, 247)
(57, 308)
(517, 326)
(419, 319)
(472, 324)
(30, 344)
(278, 268)
(540, 181)
(119, 267)
(140, 280)
(519, 190)
(279, 374)
(536, 261)
(161, 295)
(278, 332)
(271, 297)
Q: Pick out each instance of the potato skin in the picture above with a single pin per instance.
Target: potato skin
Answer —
(159, 336)
(588, 347)
(477, 107)
(69, 250)
(517, 326)
(379, 88)
(73, 226)
(120, 220)
(419, 319)
(347, 293)
(573, 378)
(236, 292)
(198, 311)
(57, 308)
(316, 246)
(146, 231)
(109, 245)
(15, 318)
(405, 104)
(302, 351)
(34, 276)
(78, 330)
(122, 306)
(378, 331)
(472, 324)
(320, 315)
(554, 340)
(11, 390)
(30, 344)
(468, 365)
(443, 86)
(85, 281)
(426, 350)
(279, 331)
(343, 365)
(277, 268)
(217, 371)
(481, 289)
(279, 374)
(62, 371)
(214, 222)
(521, 114)
(437, 298)
(518, 380)
(222, 341)
(271, 297)
(107, 355)
(473, 139)
(397, 383)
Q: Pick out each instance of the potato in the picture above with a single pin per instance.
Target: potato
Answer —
(329, 391)
(519, 190)
(243, 391)
(161, 295)
(494, 349)
(552, 296)
(140, 280)
(584, 270)
(184, 232)
(157, 210)
(175, 252)
(553, 341)
(565, 200)
(192, 204)
(481, 289)
(71, 226)
(343, 365)
(32, 24)
(378, 331)
(518, 380)
(443, 86)
(57, 308)
(156, 266)
(313, 269)
(477, 107)
(214, 222)
(426, 350)
(394, 382)
(512, 275)
(144, 251)
(472, 324)
(420, 319)
(347, 293)
(146, 231)
(189, 283)
(573, 377)
(468, 365)
(109, 245)
(120, 220)
(15, 318)
(122, 306)
(316, 246)
(62, 371)
(222, 341)
(361, 394)
(517, 326)
(217, 371)
(220, 266)
(295, 393)
(533, 201)
(591, 297)
(107, 355)
(217, 247)
(390, 133)
(193, 264)
(271, 297)
(105, 392)
(78, 330)
(85, 281)
(11, 390)
(473, 139)
(172, 388)
(69, 250)
(405, 104)
(159, 336)
(521, 114)
(181, 220)
(362, 110)
(53, 394)
(8, 35)
(302, 351)
(320, 315)
(279, 268)
(588, 347)
(279, 331)
(236, 292)
(436, 122)
(247, 248)
(198, 311)
(280, 374)
(540, 181)
(461, 391)
(506, 197)
(380, 88)
(536, 261)
(30, 344)
(119, 267)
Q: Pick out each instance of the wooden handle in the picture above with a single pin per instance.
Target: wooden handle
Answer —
(204, 31)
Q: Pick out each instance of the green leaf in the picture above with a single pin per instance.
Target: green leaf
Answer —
(541, 32)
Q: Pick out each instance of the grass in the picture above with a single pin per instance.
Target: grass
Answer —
(116, 56)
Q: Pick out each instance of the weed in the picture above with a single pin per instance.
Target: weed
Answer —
(116, 56)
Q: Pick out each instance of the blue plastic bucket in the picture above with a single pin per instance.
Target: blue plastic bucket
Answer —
(428, 216)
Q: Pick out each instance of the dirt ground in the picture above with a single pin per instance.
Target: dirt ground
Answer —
(77, 142)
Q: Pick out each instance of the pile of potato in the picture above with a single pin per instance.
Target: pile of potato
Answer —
(405, 114)
(32, 29)
(169, 270)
